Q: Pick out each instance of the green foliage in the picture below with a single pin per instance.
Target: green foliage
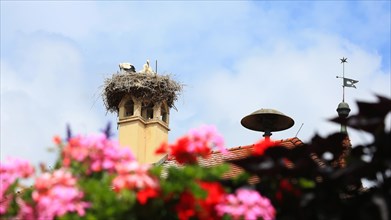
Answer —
(105, 204)
(13, 207)
(306, 183)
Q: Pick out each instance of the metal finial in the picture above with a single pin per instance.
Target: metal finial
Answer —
(156, 67)
(343, 112)
(343, 107)
(346, 82)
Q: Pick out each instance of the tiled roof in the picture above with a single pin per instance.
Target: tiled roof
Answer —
(235, 153)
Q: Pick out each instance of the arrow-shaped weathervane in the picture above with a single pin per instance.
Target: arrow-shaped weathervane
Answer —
(346, 82)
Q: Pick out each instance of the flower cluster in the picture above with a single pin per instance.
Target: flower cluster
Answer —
(198, 142)
(207, 135)
(190, 206)
(246, 204)
(94, 178)
(135, 176)
(10, 171)
(215, 194)
(55, 194)
(96, 151)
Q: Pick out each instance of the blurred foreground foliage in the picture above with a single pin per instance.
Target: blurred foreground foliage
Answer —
(323, 179)
(96, 179)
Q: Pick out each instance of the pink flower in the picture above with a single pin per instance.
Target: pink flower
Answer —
(56, 194)
(25, 211)
(5, 201)
(246, 204)
(10, 171)
(96, 151)
(133, 175)
(207, 135)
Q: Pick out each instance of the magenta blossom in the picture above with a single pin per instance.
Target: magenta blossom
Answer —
(208, 134)
(55, 194)
(136, 177)
(96, 151)
(133, 175)
(246, 204)
(197, 143)
(10, 171)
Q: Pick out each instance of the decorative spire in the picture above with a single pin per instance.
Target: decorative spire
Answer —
(346, 82)
(343, 107)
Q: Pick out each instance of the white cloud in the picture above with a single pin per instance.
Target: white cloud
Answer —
(234, 57)
(71, 19)
(299, 83)
(42, 90)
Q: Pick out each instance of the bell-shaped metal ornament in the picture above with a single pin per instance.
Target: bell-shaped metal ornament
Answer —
(267, 120)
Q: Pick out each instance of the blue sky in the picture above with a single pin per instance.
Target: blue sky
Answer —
(233, 57)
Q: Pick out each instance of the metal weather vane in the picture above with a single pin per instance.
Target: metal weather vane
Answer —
(346, 82)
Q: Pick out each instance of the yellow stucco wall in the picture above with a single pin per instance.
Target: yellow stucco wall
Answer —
(143, 137)
(131, 134)
(156, 133)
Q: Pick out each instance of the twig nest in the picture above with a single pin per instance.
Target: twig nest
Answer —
(145, 87)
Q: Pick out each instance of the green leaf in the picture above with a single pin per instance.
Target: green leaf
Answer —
(306, 183)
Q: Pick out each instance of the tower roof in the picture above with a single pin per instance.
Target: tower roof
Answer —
(150, 87)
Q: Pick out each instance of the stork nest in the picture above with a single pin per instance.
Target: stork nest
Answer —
(154, 88)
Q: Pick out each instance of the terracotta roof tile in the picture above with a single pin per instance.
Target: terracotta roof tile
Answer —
(240, 152)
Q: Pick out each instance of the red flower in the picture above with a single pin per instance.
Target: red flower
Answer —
(261, 146)
(287, 188)
(145, 194)
(215, 196)
(162, 149)
(197, 143)
(186, 150)
(286, 185)
(182, 151)
(279, 196)
(186, 206)
(57, 139)
(202, 208)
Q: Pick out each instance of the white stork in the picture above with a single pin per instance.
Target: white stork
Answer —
(147, 69)
(127, 67)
